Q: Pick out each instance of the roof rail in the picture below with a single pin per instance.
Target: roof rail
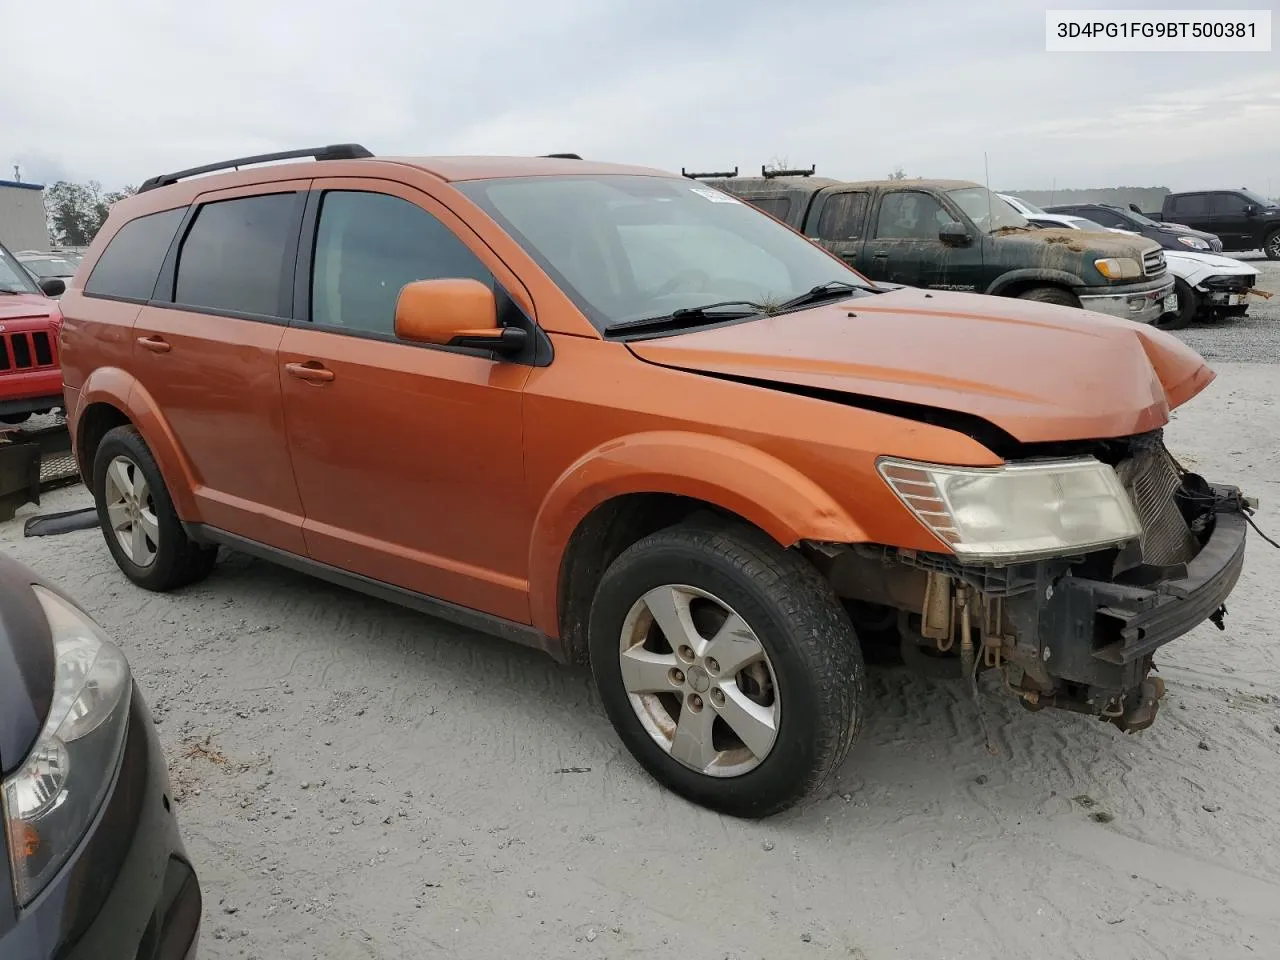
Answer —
(724, 175)
(335, 151)
(561, 156)
(770, 174)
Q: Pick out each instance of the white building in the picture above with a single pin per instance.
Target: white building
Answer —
(22, 220)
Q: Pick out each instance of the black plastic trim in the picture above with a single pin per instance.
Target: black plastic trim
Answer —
(335, 151)
(520, 633)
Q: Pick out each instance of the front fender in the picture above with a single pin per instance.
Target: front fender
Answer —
(119, 389)
(728, 474)
(1059, 277)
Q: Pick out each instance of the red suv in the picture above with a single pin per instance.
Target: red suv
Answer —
(30, 378)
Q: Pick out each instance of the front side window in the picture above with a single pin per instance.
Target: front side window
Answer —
(988, 212)
(368, 246)
(626, 247)
(1229, 204)
(232, 260)
(911, 215)
(13, 276)
(130, 264)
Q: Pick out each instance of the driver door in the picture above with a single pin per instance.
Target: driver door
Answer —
(905, 246)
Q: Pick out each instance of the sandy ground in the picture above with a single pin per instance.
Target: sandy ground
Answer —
(358, 781)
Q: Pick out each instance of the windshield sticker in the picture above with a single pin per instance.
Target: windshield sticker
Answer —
(715, 196)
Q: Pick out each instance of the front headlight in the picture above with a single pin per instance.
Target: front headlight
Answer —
(1195, 243)
(1119, 268)
(1019, 511)
(50, 801)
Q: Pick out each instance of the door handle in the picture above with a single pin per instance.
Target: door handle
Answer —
(312, 371)
(154, 344)
(880, 255)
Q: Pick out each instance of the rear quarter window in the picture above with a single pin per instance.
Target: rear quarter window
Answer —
(778, 207)
(129, 266)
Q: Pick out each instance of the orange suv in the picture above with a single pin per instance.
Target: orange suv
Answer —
(625, 418)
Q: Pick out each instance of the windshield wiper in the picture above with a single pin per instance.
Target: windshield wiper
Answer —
(831, 290)
(689, 314)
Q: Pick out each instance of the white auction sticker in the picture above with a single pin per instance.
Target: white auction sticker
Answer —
(715, 196)
(1158, 31)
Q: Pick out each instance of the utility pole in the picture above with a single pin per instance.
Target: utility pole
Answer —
(17, 174)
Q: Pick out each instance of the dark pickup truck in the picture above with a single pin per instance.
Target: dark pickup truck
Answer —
(957, 235)
(1242, 219)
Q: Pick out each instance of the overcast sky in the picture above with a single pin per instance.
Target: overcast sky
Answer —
(118, 90)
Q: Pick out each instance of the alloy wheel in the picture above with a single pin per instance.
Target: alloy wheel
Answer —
(131, 511)
(700, 681)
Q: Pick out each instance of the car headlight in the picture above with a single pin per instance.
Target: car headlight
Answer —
(1018, 511)
(50, 801)
(1195, 243)
(1118, 268)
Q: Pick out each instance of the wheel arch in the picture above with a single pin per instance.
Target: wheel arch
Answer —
(1015, 282)
(624, 490)
(111, 398)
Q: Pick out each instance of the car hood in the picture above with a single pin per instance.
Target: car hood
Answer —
(15, 305)
(1065, 248)
(1039, 372)
(1195, 259)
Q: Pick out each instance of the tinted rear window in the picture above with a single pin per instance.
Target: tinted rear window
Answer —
(129, 266)
(233, 256)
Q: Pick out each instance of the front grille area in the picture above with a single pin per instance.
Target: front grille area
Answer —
(1153, 264)
(1231, 284)
(1152, 479)
(26, 351)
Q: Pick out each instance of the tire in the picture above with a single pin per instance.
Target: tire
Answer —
(1271, 245)
(1188, 308)
(807, 679)
(174, 560)
(1064, 298)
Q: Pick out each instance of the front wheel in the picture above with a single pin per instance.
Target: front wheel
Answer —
(1056, 295)
(1271, 246)
(727, 666)
(1188, 307)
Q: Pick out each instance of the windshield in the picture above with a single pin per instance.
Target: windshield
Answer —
(987, 211)
(13, 278)
(627, 247)
(1021, 205)
(1134, 217)
(1257, 198)
(49, 267)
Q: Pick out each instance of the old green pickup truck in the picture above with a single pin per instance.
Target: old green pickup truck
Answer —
(957, 235)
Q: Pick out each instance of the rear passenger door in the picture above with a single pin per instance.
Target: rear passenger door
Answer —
(1193, 210)
(842, 221)
(205, 351)
(409, 456)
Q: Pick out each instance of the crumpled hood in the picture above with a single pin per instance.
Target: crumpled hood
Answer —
(1217, 261)
(1039, 372)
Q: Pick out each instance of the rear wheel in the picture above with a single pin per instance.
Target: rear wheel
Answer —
(138, 521)
(1056, 295)
(1188, 307)
(727, 666)
(1271, 246)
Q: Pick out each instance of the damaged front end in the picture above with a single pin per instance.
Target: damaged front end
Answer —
(1077, 632)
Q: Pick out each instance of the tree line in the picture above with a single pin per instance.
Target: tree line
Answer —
(76, 211)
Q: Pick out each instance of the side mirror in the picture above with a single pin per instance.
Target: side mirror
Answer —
(53, 286)
(1135, 208)
(1250, 209)
(454, 313)
(954, 234)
